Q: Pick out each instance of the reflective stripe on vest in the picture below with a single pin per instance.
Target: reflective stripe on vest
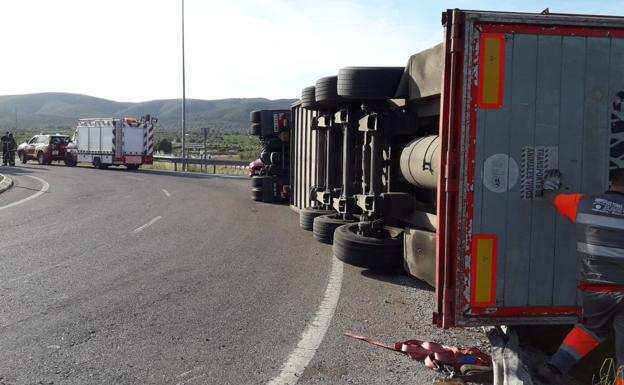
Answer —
(600, 226)
(600, 221)
(599, 251)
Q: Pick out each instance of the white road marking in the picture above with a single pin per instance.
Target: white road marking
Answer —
(167, 193)
(315, 332)
(45, 186)
(148, 224)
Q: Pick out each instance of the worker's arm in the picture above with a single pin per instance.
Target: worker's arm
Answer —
(566, 204)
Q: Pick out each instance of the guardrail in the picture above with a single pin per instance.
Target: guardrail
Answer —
(203, 162)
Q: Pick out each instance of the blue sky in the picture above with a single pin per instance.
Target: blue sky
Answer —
(129, 50)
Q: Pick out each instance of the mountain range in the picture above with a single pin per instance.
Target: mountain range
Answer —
(62, 110)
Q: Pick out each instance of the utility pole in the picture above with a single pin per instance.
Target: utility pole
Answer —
(184, 167)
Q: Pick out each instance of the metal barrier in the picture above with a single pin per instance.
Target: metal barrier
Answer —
(203, 162)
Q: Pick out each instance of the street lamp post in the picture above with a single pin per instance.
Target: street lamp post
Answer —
(184, 167)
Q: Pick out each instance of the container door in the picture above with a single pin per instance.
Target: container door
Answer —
(520, 99)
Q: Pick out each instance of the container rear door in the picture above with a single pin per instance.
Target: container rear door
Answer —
(133, 141)
(520, 99)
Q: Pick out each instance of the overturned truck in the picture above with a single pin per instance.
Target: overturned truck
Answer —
(438, 166)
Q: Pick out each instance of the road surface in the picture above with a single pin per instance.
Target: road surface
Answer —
(117, 277)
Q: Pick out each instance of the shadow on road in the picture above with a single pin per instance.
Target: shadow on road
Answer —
(397, 277)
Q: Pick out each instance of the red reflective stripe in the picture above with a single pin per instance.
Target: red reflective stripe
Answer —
(601, 288)
(567, 204)
(581, 341)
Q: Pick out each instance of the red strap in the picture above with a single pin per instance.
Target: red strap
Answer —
(433, 354)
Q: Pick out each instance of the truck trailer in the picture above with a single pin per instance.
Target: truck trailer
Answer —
(437, 166)
(107, 142)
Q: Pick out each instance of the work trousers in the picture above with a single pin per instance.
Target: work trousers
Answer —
(601, 312)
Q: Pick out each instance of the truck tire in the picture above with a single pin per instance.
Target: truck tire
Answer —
(369, 83)
(132, 167)
(40, 158)
(326, 92)
(257, 181)
(257, 194)
(308, 96)
(307, 215)
(97, 163)
(325, 225)
(21, 157)
(255, 129)
(69, 161)
(385, 252)
(255, 116)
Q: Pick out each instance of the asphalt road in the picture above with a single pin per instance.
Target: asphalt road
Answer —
(117, 277)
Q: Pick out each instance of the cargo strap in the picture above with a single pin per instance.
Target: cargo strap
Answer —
(435, 356)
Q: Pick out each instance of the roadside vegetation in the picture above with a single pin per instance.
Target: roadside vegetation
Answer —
(218, 145)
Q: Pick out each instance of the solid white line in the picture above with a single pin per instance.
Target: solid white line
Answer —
(167, 193)
(45, 186)
(148, 224)
(315, 332)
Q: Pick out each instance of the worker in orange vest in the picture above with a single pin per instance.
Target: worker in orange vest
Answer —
(600, 241)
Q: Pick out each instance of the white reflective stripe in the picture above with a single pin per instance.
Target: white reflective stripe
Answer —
(599, 250)
(600, 221)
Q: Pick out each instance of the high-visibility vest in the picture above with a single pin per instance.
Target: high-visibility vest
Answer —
(600, 239)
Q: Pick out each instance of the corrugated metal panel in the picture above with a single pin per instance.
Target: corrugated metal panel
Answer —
(557, 101)
(304, 150)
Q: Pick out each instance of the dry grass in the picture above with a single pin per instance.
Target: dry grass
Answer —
(218, 170)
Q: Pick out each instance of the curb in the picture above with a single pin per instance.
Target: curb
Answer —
(5, 183)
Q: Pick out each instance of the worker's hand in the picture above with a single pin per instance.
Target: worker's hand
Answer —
(552, 180)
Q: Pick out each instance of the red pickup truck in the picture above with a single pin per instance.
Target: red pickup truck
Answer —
(44, 148)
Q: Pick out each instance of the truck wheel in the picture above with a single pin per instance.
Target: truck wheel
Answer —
(326, 92)
(255, 129)
(257, 181)
(257, 194)
(255, 116)
(308, 98)
(369, 83)
(40, 158)
(383, 252)
(132, 167)
(307, 215)
(325, 225)
(97, 163)
(21, 157)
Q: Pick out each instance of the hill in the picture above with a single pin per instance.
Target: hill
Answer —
(61, 110)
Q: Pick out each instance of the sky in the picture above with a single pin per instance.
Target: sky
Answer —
(130, 50)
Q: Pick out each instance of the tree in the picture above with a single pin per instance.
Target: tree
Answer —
(164, 145)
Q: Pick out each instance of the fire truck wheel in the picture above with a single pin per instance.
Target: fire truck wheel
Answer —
(308, 100)
(132, 166)
(97, 163)
(255, 129)
(382, 252)
(307, 215)
(21, 157)
(257, 181)
(325, 225)
(326, 92)
(40, 158)
(255, 116)
(369, 83)
(256, 194)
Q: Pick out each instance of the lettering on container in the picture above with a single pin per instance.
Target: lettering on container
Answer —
(536, 160)
(616, 151)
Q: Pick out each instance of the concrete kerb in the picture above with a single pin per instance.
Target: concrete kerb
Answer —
(5, 183)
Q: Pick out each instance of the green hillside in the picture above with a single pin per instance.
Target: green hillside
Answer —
(61, 110)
